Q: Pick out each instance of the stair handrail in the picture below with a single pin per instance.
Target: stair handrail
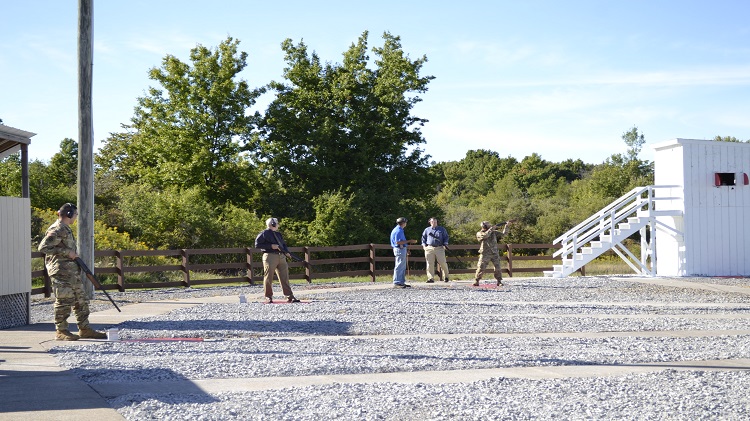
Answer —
(600, 216)
(602, 212)
(623, 206)
(609, 219)
(612, 219)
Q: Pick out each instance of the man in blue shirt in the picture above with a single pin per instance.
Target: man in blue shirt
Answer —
(400, 244)
(434, 240)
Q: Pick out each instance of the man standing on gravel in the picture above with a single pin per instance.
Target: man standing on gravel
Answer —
(488, 251)
(399, 243)
(275, 253)
(59, 248)
(434, 241)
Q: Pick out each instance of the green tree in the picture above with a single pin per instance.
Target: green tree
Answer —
(468, 180)
(168, 218)
(189, 133)
(634, 141)
(730, 139)
(613, 178)
(63, 166)
(337, 221)
(346, 127)
(45, 189)
(10, 175)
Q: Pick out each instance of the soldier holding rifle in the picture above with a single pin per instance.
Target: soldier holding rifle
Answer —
(488, 251)
(59, 248)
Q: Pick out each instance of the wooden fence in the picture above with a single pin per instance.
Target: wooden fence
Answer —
(318, 263)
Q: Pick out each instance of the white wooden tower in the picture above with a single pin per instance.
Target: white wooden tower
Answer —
(712, 236)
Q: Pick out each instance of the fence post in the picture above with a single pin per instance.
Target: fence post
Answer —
(372, 261)
(509, 254)
(185, 267)
(249, 265)
(120, 274)
(308, 268)
(47, 283)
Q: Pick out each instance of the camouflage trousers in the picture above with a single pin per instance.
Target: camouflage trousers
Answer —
(484, 260)
(70, 294)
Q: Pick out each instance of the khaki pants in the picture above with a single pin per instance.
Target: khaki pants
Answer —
(70, 294)
(276, 263)
(484, 260)
(435, 253)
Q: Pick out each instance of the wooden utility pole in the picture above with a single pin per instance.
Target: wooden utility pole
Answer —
(85, 137)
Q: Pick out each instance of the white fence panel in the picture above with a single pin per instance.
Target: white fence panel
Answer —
(15, 245)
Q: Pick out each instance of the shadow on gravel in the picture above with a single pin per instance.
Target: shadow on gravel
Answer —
(162, 384)
(316, 327)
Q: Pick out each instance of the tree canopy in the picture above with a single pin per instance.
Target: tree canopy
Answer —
(346, 129)
(189, 132)
(337, 155)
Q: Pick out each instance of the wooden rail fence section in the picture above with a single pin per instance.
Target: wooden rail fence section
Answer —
(369, 260)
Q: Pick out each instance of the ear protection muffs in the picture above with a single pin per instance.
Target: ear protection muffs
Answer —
(71, 209)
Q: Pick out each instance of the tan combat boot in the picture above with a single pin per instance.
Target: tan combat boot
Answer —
(89, 333)
(65, 335)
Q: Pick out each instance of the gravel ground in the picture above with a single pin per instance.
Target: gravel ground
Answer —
(369, 331)
(691, 396)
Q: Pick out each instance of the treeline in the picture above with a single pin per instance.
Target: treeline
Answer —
(335, 155)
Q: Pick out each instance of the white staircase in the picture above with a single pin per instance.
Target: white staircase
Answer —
(608, 228)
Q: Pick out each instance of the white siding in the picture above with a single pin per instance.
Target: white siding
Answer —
(670, 248)
(15, 245)
(716, 221)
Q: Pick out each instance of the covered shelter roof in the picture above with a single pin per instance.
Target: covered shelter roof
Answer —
(13, 140)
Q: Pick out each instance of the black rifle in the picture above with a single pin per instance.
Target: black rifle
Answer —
(94, 281)
(446, 247)
(285, 249)
(500, 225)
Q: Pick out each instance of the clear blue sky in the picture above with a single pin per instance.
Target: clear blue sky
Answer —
(563, 79)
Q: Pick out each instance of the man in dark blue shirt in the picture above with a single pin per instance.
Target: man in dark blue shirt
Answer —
(275, 253)
(434, 240)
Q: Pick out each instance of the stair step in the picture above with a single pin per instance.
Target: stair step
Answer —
(602, 228)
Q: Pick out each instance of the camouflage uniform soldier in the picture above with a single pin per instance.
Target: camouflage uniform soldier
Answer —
(59, 248)
(488, 251)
